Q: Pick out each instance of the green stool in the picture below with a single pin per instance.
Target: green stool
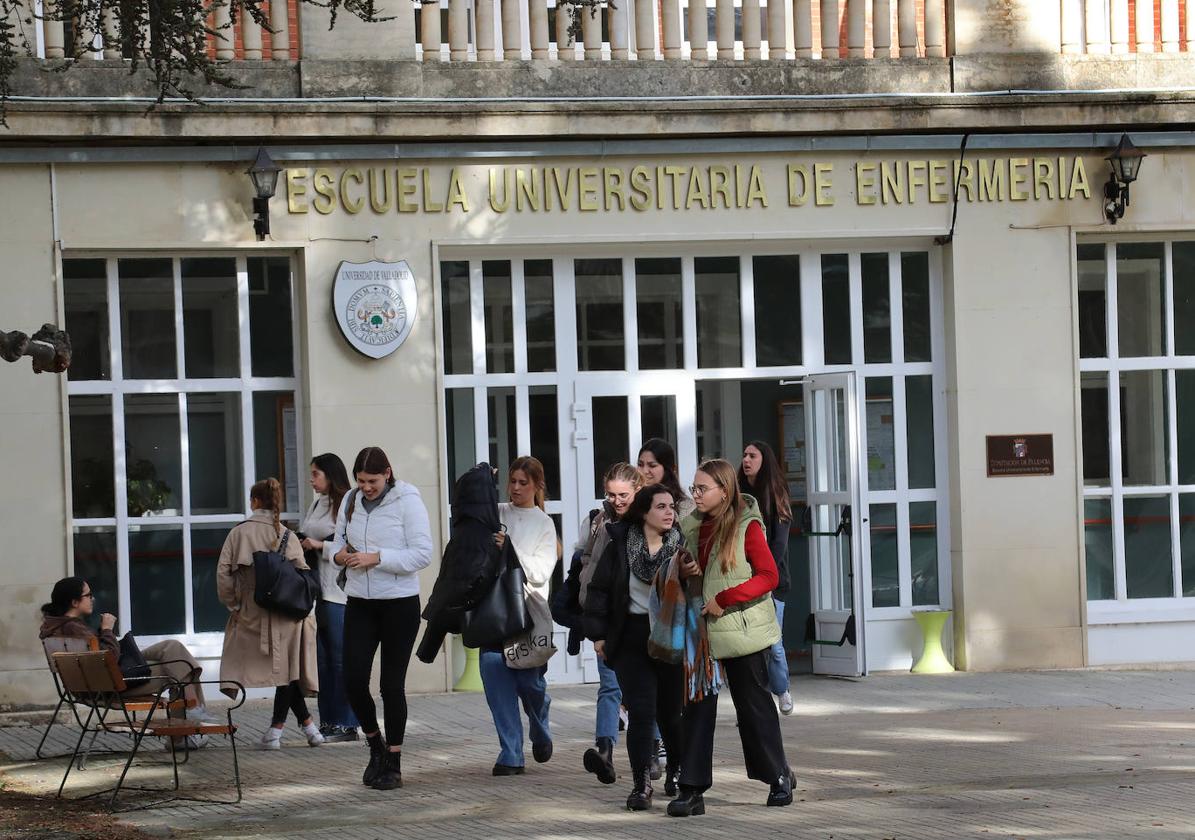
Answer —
(471, 677)
(933, 659)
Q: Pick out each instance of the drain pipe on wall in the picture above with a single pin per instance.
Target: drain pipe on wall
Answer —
(958, 179)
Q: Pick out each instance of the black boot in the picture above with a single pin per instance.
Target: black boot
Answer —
(690, 803)
(671, 779)
(390, 776)
(377, 755)
(656, 772)
(640, 798)
(599, 759)
(781, 793)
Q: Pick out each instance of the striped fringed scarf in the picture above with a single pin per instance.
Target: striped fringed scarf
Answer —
(678, 633)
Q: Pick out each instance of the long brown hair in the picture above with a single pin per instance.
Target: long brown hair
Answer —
(268, 495)
(769, 488)
(338, 479)
(534, 470)
(726, 516)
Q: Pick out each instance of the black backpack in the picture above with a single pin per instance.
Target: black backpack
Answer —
(282, 588)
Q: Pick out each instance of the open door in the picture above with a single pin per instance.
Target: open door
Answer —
(833, 523)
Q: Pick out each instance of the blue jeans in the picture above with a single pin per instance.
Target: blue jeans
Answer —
(504, 688)
(609, 698)
(777, 658)
(334, 709)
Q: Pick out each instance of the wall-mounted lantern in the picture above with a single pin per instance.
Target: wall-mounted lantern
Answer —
(264, 175)
(1126, 164)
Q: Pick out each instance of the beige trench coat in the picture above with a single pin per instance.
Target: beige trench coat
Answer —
(261, 648)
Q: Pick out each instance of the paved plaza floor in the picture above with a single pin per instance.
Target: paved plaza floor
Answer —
(1071, 754)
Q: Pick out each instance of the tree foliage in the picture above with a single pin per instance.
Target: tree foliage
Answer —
(170, 38)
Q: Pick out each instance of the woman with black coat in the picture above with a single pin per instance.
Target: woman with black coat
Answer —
(616, 620)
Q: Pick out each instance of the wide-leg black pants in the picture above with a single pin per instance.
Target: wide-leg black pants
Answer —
(759, 725)
(653, 693)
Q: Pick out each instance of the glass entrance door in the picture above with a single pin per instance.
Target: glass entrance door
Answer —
(613, 416)
(832, 439)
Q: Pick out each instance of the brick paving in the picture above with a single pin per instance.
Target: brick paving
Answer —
(1059, 755)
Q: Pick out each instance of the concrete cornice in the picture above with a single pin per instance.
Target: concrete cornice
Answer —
(405, 120)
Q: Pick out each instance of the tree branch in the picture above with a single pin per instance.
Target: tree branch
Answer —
(49, 348)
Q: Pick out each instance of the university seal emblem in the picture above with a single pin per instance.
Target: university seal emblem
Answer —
(375, 305)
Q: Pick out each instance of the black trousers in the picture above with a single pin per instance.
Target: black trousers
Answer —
(391, 624)
(759, 725)
(653, 692)
(289, 697)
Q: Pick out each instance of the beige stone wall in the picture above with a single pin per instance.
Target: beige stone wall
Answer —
(1010, 351)
(32, 495)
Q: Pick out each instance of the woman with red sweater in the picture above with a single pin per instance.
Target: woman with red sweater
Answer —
(730, 555)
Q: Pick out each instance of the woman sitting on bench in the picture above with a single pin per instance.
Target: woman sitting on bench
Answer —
(72, 602)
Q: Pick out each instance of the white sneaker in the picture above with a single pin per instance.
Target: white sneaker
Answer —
(314, 738)
(193, 742)
(271, 740)
(786, 703)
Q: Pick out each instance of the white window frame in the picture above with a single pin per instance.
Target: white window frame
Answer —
(566, 374)
(1123, 609)
(202, 644)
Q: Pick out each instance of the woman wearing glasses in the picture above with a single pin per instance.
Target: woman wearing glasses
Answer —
(730, 554)
(616, 619)
(72, 603)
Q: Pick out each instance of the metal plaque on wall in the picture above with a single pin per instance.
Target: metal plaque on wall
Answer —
(1020, 455)
(375, 304)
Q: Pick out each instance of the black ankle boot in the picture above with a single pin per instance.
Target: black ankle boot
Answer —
(656, 770)
(781, 793)
(599, 759)
(671, 779)
(640, 798)
(377, 754)
(690, 803)
(390, 776)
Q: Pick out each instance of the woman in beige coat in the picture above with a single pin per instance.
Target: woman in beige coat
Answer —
(264, 649)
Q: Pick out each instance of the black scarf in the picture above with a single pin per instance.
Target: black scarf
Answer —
(641, 562)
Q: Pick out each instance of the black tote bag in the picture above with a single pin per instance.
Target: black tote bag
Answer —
(280, 587)
(502, 613)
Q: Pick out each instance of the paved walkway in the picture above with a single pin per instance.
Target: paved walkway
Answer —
(1059, 755)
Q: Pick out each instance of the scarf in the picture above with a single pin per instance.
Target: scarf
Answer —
(678, 633)
(640, 560)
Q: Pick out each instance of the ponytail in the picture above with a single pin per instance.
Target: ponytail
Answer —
(268, 495)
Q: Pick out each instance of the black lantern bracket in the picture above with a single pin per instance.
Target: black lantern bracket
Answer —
(1125, 162)
(264, 176)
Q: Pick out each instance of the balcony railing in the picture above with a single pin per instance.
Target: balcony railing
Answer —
(696, 30)
(1126, 26)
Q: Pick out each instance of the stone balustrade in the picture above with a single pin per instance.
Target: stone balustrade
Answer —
(694, 30)
(457, 31)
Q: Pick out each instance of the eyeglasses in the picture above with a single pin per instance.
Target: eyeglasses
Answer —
(90, 595)
(618, 497)
(699, 490)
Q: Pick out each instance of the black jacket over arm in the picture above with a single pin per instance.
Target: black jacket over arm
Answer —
(471, 560)
(608, 598)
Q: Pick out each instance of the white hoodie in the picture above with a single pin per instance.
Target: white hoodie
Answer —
(398, 529)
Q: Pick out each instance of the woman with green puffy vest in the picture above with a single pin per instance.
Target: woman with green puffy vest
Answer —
(729, 548)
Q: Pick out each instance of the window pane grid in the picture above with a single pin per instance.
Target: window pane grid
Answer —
(158, 426)
(1138, 437)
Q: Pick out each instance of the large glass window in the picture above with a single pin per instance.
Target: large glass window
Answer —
(658, 310)
(777, 310)
(1137, 398)
(161, 461)
(601, 333)
(719, 320)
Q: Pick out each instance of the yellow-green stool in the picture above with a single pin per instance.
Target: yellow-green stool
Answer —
(471, 677)
(933, 659)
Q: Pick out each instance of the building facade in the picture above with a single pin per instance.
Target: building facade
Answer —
(881, 247)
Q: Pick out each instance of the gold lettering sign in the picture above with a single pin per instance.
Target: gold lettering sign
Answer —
(688, 188)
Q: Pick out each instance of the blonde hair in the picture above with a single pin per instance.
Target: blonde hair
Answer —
(531, 467)
(268, 495)
(624, 472)
(726, 516)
